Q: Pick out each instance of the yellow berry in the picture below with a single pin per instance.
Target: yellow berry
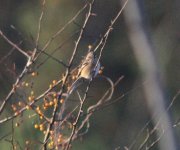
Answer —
(32, 92)
(27, 142)
(55, 94)
(100, 72)
(26, 84)
(50, 86)
(33, 74)
(20, 103)
(90, 46)
(30, 98)
(28, 107)
(14, 107)
(49, 145)
(36, 126)
(37, 108)
(39, 112)
(73, 77)
(46, 104)
(16, 113)
(41, 128)
(44, 107)
(62, 101)
(54, 82)
(41, 117)
(17, 124)
(55, 100)
(51, 103)
(52, 143)
(59, 140)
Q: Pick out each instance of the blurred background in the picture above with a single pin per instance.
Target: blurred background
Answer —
(118, 124)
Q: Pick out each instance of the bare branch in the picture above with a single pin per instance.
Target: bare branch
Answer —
(62, 29)
(39, 24)
(8, 54)
(104, 38)
(15, 86)
(14, 45)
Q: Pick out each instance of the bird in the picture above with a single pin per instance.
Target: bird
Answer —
(88, 69)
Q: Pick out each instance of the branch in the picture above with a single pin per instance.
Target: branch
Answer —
(14, 45)
(12, 91)
(8, 54)
(62, 29)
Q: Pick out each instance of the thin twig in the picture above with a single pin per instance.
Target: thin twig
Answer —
(62, 29)
(7, 134)
(14, 45)
(155, 127)
(53, 58)
(50, 55)
(8, 54)
(39, 24)
(111, 26)
(14, 87)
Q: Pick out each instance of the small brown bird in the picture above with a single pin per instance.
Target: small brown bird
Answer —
(88, 69)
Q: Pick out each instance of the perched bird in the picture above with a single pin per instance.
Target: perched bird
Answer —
(88, 69)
